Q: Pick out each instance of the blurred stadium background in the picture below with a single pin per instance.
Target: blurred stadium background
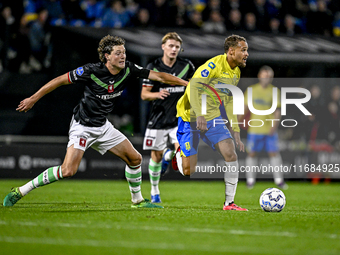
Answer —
(40, 40)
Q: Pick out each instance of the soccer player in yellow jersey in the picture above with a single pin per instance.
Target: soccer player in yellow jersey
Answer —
(262, 135)
(194, 122)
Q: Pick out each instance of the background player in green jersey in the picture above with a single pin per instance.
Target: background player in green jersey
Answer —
(162, 123)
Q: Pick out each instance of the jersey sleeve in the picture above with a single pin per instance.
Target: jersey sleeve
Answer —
(138, 71)
(147, 82)
(202, 76)
(191, 70)
(80, 74)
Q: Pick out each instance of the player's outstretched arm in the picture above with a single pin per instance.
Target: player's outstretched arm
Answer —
(29, 102)
(150, 96)
(166, 78)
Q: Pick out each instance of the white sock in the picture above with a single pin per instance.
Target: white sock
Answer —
(155, 175)
(231, 180)
(251, 172)
(169, 155)
(133, 175)
(179, 162)
(276, 162)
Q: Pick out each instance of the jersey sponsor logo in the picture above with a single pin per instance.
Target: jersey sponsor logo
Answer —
(205, 73)
(107, 97)
(74, 72)
(148, 142)
(225, 91)
(177, 89)
(80, 71)
(211, 65)
(82, 142)
(110, 88)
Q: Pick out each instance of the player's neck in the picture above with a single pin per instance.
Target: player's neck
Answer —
(168, 61)
(231, 62)
(113, 69)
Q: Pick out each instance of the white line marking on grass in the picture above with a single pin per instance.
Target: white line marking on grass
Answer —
(128, 244)
(165, 229)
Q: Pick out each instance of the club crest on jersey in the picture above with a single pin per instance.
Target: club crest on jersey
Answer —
(110, 88)
(82, 142)
(205, 73)
(80, 71)
(148, 142)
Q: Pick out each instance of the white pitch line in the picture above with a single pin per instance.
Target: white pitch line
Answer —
(165, 229)
(133, 244)
(148, 228)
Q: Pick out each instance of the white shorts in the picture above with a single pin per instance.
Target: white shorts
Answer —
(156, 139)
(101, 138)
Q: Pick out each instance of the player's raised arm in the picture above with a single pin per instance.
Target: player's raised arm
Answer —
(166, 78)
(29, 102)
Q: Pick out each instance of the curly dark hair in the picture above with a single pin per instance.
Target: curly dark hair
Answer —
(232, 41)
(106, 45)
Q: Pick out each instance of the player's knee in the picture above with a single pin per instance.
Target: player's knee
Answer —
(230, 157)
(135, 160)
(186, 171)
(157, 156)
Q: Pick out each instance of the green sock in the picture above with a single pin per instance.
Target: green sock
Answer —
(155, 176)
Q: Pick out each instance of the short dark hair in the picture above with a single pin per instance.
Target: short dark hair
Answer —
(106, 45)
(232, 41)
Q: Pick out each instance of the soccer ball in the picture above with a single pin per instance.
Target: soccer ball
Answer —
(272, 200)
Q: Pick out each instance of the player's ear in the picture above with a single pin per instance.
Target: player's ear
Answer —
(231, 51)
(163, 46)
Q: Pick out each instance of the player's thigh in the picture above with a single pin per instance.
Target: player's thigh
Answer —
(255, 142)
(218, 137)
(272, 143)
(109, 138)
(127, 152)
(188, 138)
(172, 133)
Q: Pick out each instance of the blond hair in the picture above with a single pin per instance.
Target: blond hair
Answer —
(172, 36)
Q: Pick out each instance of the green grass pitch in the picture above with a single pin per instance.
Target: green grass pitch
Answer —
(95, 217)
